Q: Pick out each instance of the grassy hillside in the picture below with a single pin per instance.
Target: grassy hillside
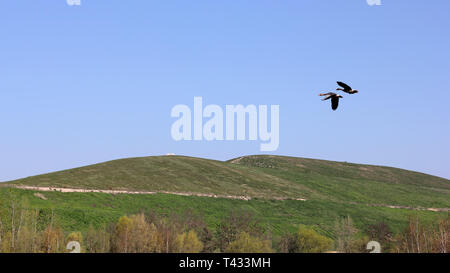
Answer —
(332, 190)
(170, 173)
(270, 177)
(347, 182)
(77, 211)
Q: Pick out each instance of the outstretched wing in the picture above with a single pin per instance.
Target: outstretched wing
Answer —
(328, 95)
(334, 103)
(343, 85)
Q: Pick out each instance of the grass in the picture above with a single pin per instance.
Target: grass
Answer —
(258, 176)
(77, 211)
(333, 190)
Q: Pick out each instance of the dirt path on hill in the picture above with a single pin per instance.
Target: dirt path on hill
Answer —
(410, 208)
(245, 198)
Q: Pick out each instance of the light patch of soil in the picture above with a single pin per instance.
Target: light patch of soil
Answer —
(68, 190)
(236, 160)
(40, 195)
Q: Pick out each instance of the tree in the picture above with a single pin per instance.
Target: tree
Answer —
(248, 244)
(75, 236)
(188, 242)
(5, 247)
(144, 237)
(97, 241)
(414, 239)
(288, 243)
(358, 244)
(122, 234)
(380, 232)
(230, 227)
(310, 241)
(442, 235)
(14, 219)
(421, 238)
(190, 220)
(53, 240)
(24, 242)
(167, 235)
(345, 233)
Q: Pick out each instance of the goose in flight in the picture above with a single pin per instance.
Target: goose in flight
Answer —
(334, 99)
(346, 88)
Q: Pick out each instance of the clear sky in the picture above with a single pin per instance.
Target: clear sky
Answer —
(96, 82)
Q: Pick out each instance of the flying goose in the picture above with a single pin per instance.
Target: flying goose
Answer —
(346, 88)
(334, 99)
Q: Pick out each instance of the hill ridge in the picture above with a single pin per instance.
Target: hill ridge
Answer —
(256, 176)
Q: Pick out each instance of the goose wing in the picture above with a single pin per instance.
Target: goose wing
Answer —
(345, 86)
(327, 97)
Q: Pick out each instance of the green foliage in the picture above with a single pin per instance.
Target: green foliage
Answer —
(188, 243)
(248, 244)
(97, 240)
(176, 233)
(144, 236)
(122, 234)
(75, 236)
(310, 241)
(235, 223)
(75, 211)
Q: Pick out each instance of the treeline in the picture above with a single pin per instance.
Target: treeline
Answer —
(36, 231)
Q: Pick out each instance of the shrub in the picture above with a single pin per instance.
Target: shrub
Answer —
(310, 241)
(248, 244)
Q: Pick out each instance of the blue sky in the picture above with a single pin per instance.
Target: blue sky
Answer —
(91, 83)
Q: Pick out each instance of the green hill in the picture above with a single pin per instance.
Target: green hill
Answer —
(273, 183)
(270, 177)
